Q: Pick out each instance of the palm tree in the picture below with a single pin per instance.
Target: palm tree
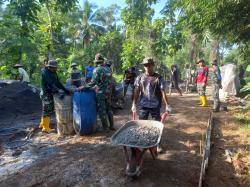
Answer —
(89, 29)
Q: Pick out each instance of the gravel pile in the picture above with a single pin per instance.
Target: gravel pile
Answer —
(18, 99)
(138, 136)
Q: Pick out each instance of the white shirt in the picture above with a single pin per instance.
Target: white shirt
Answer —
(23, 75)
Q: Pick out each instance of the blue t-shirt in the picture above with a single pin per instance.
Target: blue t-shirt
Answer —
(89, 71)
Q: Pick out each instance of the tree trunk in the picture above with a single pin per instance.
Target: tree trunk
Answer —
(193, 49)
(51, 45)
(214, 53)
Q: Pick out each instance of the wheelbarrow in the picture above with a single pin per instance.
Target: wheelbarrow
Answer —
(134, 151)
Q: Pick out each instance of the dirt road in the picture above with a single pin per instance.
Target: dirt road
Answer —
(93, 161)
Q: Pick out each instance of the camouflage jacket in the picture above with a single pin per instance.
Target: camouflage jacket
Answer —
(216, 75)
(50, 82)
(102, 81)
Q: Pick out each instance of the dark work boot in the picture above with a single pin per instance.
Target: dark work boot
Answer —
(104, 124)
(111, 122)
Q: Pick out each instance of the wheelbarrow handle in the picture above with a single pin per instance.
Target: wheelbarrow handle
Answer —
(133, 115)
(163, 116)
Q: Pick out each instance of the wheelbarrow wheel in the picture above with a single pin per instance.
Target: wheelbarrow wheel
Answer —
(131, 167)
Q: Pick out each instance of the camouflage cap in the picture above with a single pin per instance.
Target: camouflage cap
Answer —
(52, 63)
(98, 58)
(148, 60)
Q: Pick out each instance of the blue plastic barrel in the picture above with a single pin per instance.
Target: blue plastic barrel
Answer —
(84, 112)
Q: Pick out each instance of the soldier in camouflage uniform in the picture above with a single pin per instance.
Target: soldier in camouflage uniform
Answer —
(50, 85)
(216, 80)
(201, 81)
(102, 82)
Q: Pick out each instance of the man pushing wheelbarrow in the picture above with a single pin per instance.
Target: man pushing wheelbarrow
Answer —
(138, 136)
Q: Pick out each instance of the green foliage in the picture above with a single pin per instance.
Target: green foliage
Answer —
(137, 18)
(31, 31)
(243, 120)
(118, 77)
(222, 17)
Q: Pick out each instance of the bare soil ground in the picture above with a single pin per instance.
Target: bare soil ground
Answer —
(49, 160)
(229, 164)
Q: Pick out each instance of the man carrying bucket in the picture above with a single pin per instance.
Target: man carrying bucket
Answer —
(103, 86)
(150, 90)
(50, 85)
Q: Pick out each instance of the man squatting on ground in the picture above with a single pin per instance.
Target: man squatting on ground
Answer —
(102, 83)
(50, 85)
(201, 80)
(216, 81)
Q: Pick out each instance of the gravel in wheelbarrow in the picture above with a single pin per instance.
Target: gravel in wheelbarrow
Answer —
(139, 133)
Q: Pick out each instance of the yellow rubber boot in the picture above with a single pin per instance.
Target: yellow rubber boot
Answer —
(204, 101)
(46, 122)
(200, 101)
(41, 123)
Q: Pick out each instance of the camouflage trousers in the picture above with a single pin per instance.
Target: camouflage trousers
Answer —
(104, 110)
(216, 88)
(47, 103)
(201, 89)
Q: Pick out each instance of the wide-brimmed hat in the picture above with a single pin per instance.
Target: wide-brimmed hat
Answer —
(148, 60)
(18, 65)
(73, 65)
(200, 60)
(52, 63)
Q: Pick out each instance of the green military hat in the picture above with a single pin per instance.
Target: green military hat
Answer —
(52, 63)
(98, 59)
(148, 60)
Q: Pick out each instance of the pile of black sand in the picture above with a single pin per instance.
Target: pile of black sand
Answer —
(18, 99)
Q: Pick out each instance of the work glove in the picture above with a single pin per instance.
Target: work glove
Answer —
(133, 108)
(168, 109)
